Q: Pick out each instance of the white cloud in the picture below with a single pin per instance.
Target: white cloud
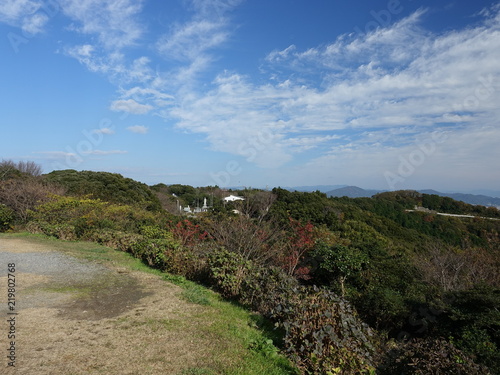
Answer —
(363, 91)
(112, 26)
(189, 41)
(26, 14)
(192, 43)
(13, 10)
(130, 106)
(139, 129)
(83, 51)
(304, 143)
(147, 94)
(360, 55)
(112, 21)
(107, 131)
(112, 64)
(35, 24)
(102, 152)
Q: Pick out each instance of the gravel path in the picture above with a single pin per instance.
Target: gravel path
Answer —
(79, 317)
(46, 278)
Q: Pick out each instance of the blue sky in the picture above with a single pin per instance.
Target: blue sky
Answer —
(379, 94)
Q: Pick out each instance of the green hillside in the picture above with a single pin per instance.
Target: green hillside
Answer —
(356, 285)
(111, 187)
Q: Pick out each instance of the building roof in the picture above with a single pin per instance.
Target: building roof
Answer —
(233, 198)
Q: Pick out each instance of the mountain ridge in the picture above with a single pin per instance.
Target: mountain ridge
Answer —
(475, 199)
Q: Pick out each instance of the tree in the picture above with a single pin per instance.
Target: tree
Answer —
(300, 242)
(111, 187)
(258, 203)
(340, 262)
(10, 169)
(256, 242)
(24, 194)
(453, 270)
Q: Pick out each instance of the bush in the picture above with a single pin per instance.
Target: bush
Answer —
(111, 187)
(264, 288)
(118, 240)
(227, 271)
(61, 231)
(428, 357)
(6, 218)
(166, 254)
(88, 215)
(324, 335)
(472, 318)
(24, 194)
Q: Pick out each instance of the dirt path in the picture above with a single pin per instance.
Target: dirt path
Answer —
(81, 317)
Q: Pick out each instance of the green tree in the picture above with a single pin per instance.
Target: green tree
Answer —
(340, 262)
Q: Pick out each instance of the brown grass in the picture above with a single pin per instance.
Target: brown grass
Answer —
(137, 325)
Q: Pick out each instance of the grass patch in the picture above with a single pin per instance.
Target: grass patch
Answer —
(244, 342)
(198, 371)
(191, 291)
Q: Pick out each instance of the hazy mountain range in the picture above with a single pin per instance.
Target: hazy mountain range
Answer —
(357, 192)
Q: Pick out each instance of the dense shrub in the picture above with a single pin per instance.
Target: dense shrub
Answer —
(111, 187)
(324, 335)
(87, 215)
(472, 319)
(123, 241)
(24, 194)
(152, 252)
(339, 263)
(62, 231)
(429, 357)
(264, 288)
(322, 332)
(6, 218)
(227, 270)
(168, 255)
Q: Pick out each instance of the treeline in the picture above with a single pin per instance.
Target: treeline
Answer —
(357, 286)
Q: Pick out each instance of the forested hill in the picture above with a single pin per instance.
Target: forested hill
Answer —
(373, 270)
(107, 186)
(474, 199)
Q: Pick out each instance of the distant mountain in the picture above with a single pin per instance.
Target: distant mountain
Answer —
(352, 192)
(489, 193)
(482, 200)
(322, 188)
(357, 192)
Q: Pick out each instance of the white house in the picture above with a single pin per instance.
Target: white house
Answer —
(233, 198)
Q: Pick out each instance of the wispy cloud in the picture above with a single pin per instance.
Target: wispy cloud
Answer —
(103, 152)
(361, 87)
(110, 26)
(130, 106)
(107, 131)
(25, 14)
(360, 101)
(191, 43)
(139, 129)
(112, 21)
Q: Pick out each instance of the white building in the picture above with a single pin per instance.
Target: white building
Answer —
(233, 198)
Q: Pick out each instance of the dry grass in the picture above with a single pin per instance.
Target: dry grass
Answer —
(129, 322)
